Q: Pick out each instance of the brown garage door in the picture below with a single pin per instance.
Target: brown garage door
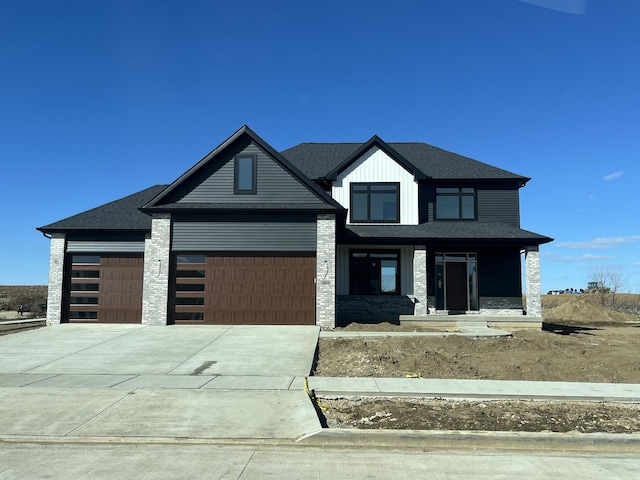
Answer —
(244, 290)
(105, 289)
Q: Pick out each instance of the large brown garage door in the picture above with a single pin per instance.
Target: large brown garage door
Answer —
(105, 288)
(244, 290)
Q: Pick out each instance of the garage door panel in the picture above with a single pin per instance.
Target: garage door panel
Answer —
(115, 284)
(262, 290)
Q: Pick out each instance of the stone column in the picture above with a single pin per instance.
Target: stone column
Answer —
(420, 279)
(155, 290)
(56, 278)
(326, 271)
(534, 299)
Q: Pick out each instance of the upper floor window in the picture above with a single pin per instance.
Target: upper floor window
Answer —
(244, 175)
(455, 203)
(375, 202)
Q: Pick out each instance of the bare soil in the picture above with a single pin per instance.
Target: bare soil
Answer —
(582, 341)
(520, 416)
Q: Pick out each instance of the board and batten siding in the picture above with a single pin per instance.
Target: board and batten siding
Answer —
(406, 266)
(502, 206)
(376, 166)
(244, 236)
(214, 182)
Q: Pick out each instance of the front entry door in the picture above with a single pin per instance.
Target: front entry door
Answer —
(456, 282)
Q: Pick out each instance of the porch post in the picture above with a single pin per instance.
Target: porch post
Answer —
(155, 289)
(534, 299)
(326, 271)
(420, 279)
(56, 278)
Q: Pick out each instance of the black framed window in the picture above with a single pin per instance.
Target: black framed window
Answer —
(244, 175)
(375, 202)
(453, 203)
(374, 272)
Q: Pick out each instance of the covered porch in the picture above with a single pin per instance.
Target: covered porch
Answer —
(437, 281)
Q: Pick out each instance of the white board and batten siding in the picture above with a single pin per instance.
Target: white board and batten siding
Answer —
(376, 166)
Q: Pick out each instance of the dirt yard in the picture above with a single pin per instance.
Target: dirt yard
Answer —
(582, 342)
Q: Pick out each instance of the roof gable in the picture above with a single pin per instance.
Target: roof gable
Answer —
(209, 183)
(375, 141)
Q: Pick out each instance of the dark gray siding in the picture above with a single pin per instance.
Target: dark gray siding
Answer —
(243, 234)
(214, 182)
(495, 203)
(502, 206)
(76, 246)
(499, 273)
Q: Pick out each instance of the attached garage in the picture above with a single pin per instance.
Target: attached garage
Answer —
(244, 289)
(104, 288)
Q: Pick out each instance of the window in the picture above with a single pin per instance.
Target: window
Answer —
(85, 273)
(190, 287)
(189, 316)
(374, 273)
(186, 258)
(189, 301)
(85, 287)
(86, 259)
(190, 273)
(375, 202)
(455, 204)
(84, 300)
(245, 174)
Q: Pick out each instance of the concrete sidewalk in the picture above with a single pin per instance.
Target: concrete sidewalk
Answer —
(336, 386)
(474, 389)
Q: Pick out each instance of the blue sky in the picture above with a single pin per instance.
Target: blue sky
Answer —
(101, 99)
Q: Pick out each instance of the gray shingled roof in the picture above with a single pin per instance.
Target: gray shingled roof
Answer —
(444, 231)
(122, 214)
(317, 159)
(242, 206)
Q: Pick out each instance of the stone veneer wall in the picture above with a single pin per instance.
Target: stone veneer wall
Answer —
(352, 306)
(56, 278)
(500, 306)
(420, 279)
(155, 290)
(326, 271)
(532, 278)
(492, 306)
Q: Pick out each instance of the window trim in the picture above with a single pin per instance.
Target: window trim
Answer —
(459, 195)
(368, 192)
(374, 251)
(236, 175)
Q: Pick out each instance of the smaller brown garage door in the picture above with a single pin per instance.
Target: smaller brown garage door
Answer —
(245, 290)
(105, 288)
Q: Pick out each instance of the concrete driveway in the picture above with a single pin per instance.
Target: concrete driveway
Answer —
(179, 381)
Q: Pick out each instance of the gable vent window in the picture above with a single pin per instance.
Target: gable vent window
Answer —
(245, 175)
(375, 203)
(455, 204)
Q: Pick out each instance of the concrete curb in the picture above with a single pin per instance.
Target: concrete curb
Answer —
(327, 393)
(485, 440)
(383, 439)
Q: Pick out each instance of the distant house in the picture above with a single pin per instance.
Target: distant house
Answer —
(318, 233)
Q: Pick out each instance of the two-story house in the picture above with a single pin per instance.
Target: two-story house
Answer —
(320, 233)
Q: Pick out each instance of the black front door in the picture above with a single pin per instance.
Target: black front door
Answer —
(456, 290)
